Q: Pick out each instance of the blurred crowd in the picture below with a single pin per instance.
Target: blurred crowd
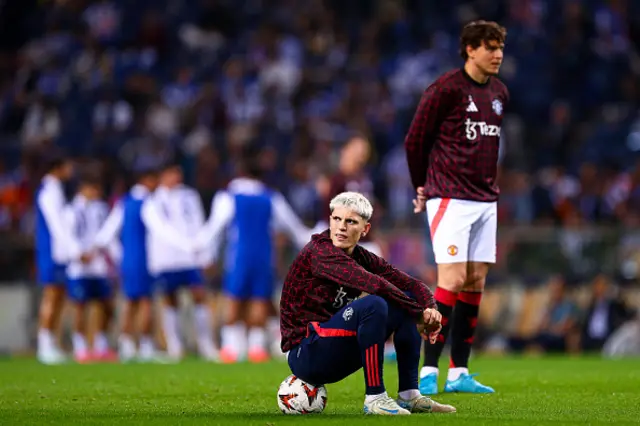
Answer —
(557, 317)
(126, 84)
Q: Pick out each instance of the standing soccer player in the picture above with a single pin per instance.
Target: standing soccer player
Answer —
(452, 152)
(250, 211)
(180, 206)
(132, 219)
(55, 246)
(331, 330)
(88, 281)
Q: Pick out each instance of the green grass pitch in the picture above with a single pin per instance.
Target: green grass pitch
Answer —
(529, 391)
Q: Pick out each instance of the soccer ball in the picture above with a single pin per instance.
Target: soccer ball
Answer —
(298, 397)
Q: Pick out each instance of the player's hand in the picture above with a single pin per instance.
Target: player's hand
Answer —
(431, 324)
(429, 333)
(420, 202)
(433, 336)
(86, 257)
(431, 317)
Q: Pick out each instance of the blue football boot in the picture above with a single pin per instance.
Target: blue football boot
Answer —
(390, 354)
(429, 384)
(466, 384)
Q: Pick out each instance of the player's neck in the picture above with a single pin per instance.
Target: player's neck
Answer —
(475, 74)
(349, 251)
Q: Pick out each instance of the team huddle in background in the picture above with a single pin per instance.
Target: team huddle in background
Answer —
(157, 240)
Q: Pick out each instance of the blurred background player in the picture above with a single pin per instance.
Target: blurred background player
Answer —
(132, 220)
(55, 245)
(88, 281)
(351, 176)
(251, 211)
(180, 206)
(452, 151)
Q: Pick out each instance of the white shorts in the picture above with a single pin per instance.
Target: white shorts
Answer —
(463, 230)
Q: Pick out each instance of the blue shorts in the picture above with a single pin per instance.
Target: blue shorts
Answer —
(246, 283)
(331, 352)
(137, 284)
(50, 273)
(170, 282)
(85, 289)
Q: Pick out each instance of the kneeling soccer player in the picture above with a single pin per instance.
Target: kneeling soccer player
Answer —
(330, 331)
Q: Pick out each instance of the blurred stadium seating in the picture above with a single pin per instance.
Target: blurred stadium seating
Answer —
(125, 84)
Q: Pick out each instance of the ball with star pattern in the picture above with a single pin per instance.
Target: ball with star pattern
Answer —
(298, 397)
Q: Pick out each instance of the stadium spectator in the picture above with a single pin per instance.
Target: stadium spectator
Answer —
(557, 326)
(604, 315)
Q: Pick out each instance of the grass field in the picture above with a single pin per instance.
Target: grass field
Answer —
(529, 391)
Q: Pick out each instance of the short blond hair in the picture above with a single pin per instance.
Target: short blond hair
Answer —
(354, 201)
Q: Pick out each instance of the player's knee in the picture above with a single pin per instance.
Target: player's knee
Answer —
(475, 282)
(171, 300)
(54, 293)
(376, 305)
(452, 276)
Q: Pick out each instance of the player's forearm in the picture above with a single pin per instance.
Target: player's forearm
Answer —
(417, 288)
(54, 216)
(163, 230)
(381, 287)
(403, 281)
(420, 291)
(347, 275)
(417, 168)
(351, 275)
(212, 231)
(358, 280)
(110, 229)
(406, 303)
(334, 265)
(420, 137)
(391, 293)
(418, 146)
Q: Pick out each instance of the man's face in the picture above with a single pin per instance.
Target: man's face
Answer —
(171, 177)
(354, 156)
(346, 227)
(66, 170)
(92, 192)
(487, 57)
(150, 181)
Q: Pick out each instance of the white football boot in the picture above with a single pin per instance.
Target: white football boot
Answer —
(424, 404)
(386, 406)
(51, 356)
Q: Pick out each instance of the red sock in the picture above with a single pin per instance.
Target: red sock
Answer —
(445, 300)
